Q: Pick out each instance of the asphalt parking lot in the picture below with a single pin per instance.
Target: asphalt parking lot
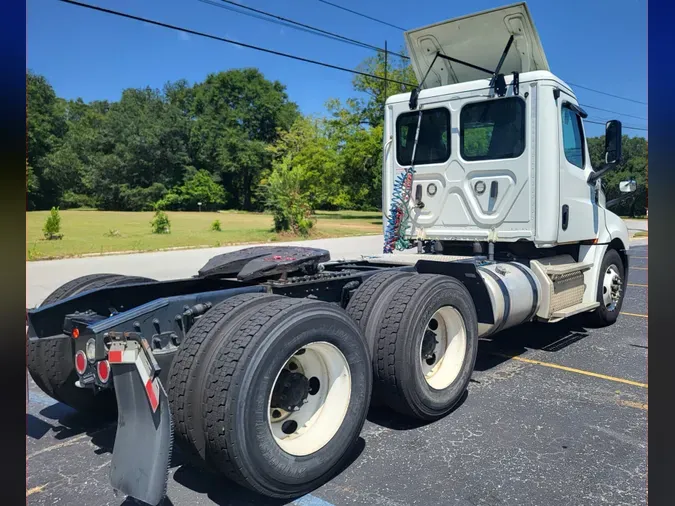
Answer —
(555, 414)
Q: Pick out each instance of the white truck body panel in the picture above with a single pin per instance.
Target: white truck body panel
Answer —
(531, 188)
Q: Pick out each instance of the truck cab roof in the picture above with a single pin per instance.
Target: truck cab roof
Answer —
(482, 85)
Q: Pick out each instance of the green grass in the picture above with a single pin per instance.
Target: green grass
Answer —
(642, 233)
(88, 231)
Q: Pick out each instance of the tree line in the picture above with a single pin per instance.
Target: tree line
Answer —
(234, 141)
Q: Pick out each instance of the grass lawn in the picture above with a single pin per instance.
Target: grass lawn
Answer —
(88, 231)
(642, 233)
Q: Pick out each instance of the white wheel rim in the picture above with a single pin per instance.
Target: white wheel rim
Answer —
(318, 418)
(442, 366)
(611, 287)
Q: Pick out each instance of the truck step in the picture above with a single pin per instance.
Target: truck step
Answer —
(559, 270)
(572, 310)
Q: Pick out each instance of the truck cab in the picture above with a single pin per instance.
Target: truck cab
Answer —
(490, 166)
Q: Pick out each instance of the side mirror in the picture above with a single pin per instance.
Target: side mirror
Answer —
(628, 186)
(613, 142)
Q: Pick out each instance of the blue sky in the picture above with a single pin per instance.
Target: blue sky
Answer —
(601, 44)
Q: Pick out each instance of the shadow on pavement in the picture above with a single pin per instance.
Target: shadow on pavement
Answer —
(224, 492)
(69, 423)
(516, 341)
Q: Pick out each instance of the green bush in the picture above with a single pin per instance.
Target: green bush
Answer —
(288, 200)
(72, 200)
(52, 226)
(215, 226)
(160, 223)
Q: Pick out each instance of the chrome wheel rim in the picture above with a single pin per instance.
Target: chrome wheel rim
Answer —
(611, 288)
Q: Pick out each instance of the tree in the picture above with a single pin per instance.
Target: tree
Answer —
(45, 129)
(634, 164)
(236, 115)
(198, 186)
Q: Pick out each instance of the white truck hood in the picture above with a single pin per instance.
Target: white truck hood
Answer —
(478, 39)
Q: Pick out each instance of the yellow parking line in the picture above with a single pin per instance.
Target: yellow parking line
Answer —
(635, 314)
(578, 371)
(35, 490)
(633, 404)
(637, 284)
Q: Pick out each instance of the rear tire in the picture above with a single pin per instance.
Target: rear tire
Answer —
(427, 343)
(371, 299)
(51, 363)
(187, 375)
(612, 276)
(241, 397)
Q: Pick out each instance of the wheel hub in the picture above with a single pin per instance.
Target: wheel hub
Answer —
(290, 391)
(429, 343)
(611, 287)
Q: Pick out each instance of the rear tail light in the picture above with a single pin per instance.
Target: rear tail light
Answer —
(103, 370)
(80, 362)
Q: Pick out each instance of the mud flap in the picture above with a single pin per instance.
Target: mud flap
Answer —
(142, 451)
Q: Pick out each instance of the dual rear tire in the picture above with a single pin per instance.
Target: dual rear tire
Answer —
(271, 391)
(422, 333)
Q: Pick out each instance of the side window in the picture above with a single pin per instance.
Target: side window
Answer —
(433, 144)
(573, 137)
(492, 130)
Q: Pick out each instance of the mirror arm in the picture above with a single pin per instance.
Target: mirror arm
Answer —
(598, 173)
(615, 201)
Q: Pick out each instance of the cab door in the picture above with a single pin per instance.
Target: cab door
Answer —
(580, 217)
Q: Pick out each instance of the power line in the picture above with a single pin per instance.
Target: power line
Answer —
(361, 14)
(229, 41)
(405, 29)
(601, 123)
(613, 112)
(271, 51)
(290, 23)
(608, 94)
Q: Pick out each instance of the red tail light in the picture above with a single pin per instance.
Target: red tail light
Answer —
(103, 370)
(80, 362)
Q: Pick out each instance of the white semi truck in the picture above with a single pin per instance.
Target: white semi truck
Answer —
(265, 362)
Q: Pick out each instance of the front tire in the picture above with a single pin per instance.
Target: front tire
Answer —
(268, 426)
(610, 292)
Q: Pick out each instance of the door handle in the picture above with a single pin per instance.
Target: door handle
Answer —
(565, 216)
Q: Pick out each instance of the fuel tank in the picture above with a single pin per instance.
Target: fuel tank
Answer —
(515, 293)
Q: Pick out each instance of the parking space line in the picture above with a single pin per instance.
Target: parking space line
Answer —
(631, 256)
(633, 404)
(571, 369)
(637, 284)
(639, 268)
(35, 490)
(311, 500)
(69, 442)
(635, 314)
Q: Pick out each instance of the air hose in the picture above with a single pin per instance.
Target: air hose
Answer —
(399, 214)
